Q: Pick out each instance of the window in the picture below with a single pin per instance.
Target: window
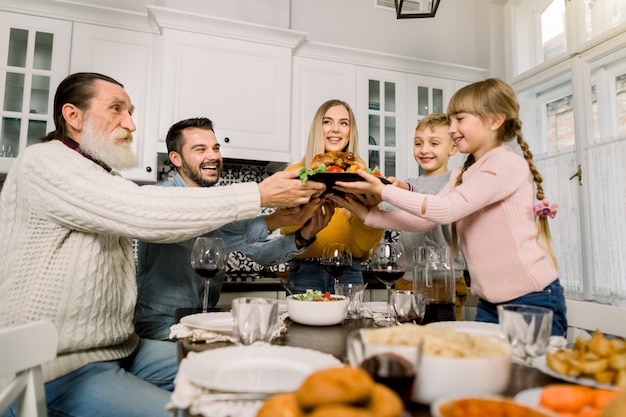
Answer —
(572, 92)
(539, 34)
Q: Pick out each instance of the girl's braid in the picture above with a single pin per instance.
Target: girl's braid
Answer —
(513, 128)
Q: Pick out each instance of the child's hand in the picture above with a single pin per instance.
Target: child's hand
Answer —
(371, 185)
(397, 183)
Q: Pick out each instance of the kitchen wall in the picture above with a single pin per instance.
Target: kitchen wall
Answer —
(461, 32)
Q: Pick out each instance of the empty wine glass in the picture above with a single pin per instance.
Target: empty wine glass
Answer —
(208, 257)
(336, 259)
(388, 265)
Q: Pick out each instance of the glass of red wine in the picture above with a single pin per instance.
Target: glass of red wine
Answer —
(395, 366)
(336, 259)
(208, 257)
(388, 265)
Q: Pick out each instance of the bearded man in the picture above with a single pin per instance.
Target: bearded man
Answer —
(67, 221)
(165, 278)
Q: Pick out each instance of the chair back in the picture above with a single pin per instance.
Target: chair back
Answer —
(24, 349)
(584, 317)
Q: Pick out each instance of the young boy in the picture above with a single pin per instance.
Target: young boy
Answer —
(432, 148)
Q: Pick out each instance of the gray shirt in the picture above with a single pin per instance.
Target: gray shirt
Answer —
(440, 235)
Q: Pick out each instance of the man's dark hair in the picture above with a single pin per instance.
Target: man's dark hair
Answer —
(174, 138)
(76, 89)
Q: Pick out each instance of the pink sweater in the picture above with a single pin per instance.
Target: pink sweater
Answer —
(495, 222)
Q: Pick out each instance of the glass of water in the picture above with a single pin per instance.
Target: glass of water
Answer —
(527, 328)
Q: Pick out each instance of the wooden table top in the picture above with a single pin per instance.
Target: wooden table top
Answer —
(332, 340)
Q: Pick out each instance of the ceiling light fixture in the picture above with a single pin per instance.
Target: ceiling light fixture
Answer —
(410, 9)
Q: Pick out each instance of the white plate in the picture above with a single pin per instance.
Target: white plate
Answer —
(540, 363)
(472, 327)
(221, 322)
(265, 369)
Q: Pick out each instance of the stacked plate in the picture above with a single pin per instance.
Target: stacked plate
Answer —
(264, 369)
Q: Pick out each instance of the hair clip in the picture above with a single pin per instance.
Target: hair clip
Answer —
(545, 209)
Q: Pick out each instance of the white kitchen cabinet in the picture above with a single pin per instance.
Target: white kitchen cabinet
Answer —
(381, 118)
(129, 57)
(34, 59)
(236, 74)
(314, 82)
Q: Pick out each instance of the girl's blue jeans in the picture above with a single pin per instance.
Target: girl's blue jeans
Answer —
(551, 297)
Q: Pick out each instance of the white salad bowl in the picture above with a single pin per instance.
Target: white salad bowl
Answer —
(318, 313)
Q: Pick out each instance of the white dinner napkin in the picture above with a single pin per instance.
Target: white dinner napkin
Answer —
(181, 331)
(191, 397)
(368, 313)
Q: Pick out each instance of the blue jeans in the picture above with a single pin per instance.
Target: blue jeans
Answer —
(551, 297)
(311, 275)
(139, 385)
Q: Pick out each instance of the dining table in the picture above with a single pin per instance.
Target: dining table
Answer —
(332, 340)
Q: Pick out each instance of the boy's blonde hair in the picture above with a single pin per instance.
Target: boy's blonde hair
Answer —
(491, 97)
(433, 121)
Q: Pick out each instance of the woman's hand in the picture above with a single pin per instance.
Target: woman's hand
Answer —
(352, 203)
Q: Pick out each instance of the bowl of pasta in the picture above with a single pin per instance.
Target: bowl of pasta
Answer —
(453, 363)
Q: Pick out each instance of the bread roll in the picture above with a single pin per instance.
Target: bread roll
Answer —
(281, 405)
(345, 385)
(340, 410)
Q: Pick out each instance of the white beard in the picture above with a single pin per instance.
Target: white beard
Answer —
(113, 150)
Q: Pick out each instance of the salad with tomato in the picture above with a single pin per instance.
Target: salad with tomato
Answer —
(305, 173)
(315, 295)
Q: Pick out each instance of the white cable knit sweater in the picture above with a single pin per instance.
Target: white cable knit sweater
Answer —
(66, 229)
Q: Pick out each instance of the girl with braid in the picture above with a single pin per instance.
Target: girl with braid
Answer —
(490, 203)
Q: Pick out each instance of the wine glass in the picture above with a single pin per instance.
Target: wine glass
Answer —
(388, 265)
(208, 257)
(336, 259)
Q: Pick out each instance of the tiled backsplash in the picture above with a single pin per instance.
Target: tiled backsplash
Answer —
(238, 262)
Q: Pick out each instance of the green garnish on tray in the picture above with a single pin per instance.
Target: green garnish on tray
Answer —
(305, 173)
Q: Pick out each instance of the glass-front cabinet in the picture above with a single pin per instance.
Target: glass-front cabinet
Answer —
(425, 95)
(381, 120)
(34, 53)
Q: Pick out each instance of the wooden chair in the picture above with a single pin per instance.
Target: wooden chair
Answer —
(584, 317)
(24, 349)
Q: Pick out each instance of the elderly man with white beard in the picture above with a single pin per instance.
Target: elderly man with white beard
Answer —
(67, 220)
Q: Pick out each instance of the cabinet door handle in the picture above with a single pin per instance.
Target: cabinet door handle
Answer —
(579, 174)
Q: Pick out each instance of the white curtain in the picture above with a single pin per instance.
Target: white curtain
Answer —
(607, 192)
(605, 181)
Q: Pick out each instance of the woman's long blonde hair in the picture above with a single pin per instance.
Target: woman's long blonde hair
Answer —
(316, 143)
(494, 97)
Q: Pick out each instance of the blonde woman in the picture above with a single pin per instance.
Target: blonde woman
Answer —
(333, 129)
